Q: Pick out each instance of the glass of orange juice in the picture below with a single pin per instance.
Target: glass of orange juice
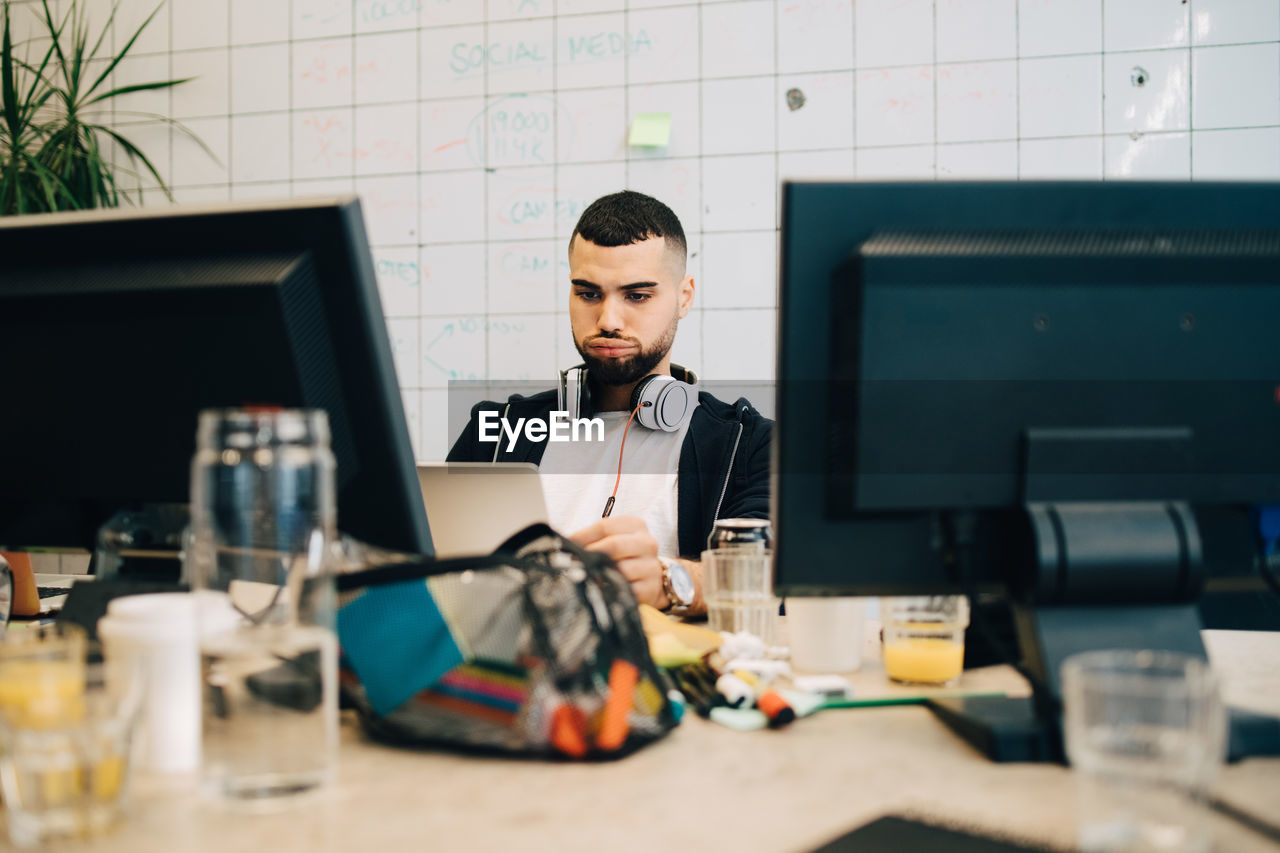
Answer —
(65, 735)
(924, 638)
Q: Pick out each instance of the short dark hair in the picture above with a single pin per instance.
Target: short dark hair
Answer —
(627, 217)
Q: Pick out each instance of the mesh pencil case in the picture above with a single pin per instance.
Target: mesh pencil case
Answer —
(536, 648)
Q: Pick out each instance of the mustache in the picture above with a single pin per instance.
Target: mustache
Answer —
(610, 336)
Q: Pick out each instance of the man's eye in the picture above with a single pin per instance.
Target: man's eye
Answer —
(588, 295)
(639, 297)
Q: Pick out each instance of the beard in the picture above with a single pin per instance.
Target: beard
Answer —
(633, 368)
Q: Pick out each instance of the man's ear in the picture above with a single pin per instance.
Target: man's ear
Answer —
(685, 294)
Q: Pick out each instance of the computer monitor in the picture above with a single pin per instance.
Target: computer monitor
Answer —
(1066, 391)
(118, 327)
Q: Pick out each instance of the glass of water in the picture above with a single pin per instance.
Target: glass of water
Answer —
(737, 585)
(263, 521)
(1146, 735)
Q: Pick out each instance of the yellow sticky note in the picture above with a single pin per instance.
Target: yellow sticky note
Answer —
(650, 130)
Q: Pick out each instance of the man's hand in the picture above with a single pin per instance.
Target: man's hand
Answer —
(626, 538)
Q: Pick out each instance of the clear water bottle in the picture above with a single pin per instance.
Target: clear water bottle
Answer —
(263, 522)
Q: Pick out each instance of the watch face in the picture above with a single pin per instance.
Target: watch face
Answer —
(681, 582)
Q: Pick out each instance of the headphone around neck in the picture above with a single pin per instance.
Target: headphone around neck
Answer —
(666, 403)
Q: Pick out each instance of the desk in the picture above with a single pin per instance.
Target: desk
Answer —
(707, 787)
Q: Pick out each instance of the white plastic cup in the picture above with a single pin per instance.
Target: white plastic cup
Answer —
(826, 634)
(159, 632)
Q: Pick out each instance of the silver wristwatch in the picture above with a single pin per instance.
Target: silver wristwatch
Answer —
(677, 583)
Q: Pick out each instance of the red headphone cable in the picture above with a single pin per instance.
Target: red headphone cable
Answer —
(608, 505)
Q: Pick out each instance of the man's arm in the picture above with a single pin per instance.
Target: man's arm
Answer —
(468, 447)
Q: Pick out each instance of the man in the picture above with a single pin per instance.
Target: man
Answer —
(629, 289)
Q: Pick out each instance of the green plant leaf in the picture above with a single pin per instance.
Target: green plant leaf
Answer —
(136, 154)
(135, 87)
(124, 50)
(53, 149)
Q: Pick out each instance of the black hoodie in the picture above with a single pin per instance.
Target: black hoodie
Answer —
(724, 462)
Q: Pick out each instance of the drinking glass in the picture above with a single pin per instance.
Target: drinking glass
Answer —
(66, 734)
(737, 585)
(924, 637)
(263, 521)
(1146, 734)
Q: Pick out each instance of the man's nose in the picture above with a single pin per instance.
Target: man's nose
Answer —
(610, 319)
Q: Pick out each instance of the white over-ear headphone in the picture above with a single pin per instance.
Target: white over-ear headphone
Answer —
(666, 403)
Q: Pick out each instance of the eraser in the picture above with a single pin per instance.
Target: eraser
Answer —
(740, 719)
(827, 686)
(803, 703)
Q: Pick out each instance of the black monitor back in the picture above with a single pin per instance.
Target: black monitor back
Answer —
(973, 346)
(117, 328)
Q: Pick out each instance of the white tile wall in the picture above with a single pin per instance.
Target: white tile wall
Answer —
(970, 30)
(740, 270)
(593, 125)
(414, 109)
(738, 344)
(826, 118)
(1250, 154)
(259, 147)
(208, 92)
(977, 101)
(259, 78)
(737, 39)
(814, 37)
(1162, 102)
(1235, 86)
(896, 162)
(973, 160)
(1165, 156)
(1060, 96)
(895, 106)
(254, 22)
(738, 192)
(442, 220)
(738, 116)
(386, 68)
(451, 278)
(897, 33)
(1054, 27)
(1077, 159)
(1234, 21)
(1145, 24)
(673, 34)
(682, 101)
(591, 51)
(199, 23)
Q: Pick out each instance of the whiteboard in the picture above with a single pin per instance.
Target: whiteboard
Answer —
(476, 131)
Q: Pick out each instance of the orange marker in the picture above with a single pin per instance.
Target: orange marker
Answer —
(568, 731)
(623, 677)
(775, 708)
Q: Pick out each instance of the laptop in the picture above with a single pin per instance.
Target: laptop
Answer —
(473, 507)
(54, 587)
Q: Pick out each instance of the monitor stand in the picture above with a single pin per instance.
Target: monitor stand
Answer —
(1030, 730)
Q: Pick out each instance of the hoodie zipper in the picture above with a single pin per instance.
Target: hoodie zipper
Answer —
(728, 475)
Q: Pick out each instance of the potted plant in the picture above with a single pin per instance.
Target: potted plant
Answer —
(54, 136)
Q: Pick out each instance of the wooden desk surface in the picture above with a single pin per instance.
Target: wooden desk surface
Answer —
(703, 787)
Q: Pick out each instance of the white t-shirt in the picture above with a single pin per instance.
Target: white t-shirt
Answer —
(578, 477)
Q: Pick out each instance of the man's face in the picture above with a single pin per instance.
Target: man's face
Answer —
(625, 304)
